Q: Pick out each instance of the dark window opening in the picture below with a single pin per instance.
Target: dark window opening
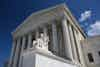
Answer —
(90, 57)
(99, 53)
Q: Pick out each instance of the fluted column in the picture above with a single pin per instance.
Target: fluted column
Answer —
(68, 50)
(81, 58)
(37, 34)
(12, 53)
(36, 37)
(45, 30)
(77, 44)
(29, 40)
(16, 53)
(22, 48)
(73, 44)
(55, 39)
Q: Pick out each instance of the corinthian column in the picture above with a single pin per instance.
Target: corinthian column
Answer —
(73, 44)
(22, 48)
(68, 50)
(12, 53)
(81, 57)
(37, 34)
(55, 39)
(16, 53)
(36, 38)
(29, 40)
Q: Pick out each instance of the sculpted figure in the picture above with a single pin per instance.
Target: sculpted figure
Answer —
(42, 42)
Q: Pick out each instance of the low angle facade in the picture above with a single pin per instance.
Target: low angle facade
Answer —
(50, 33)
(91, 51)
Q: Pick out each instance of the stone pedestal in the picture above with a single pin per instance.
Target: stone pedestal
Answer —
(36, 58)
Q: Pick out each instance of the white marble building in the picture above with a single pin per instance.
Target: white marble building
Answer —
(91, 51)
(52, 31)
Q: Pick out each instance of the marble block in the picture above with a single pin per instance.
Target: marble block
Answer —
(39, 59)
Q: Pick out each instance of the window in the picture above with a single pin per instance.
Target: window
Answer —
(90, 57)
(99, 53)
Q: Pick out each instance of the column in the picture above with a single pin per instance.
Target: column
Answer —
(81, 58)
(29, 40)
(12, 53)
(54, 36)
(61, 42)
(36, 37)
(22, 48)
(16, 53)
(68, 50)
(45, 31)
(75, 59)
(37, 34)
(77, 44)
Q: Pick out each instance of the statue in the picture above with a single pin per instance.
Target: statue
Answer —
(42, 42)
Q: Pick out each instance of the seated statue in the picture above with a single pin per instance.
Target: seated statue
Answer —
(42, 42)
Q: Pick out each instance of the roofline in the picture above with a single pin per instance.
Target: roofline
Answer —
(74, 20)
(48, 9)
(93, 37)
(35, 13)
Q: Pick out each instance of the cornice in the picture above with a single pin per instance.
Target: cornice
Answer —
(52, 11)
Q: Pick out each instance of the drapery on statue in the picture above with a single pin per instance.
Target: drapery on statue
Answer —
(42, 42)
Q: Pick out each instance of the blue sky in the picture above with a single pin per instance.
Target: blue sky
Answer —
(13, 12)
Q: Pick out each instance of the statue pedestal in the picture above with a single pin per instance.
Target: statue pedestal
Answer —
(36, 58)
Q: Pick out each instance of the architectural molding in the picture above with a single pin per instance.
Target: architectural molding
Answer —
(47, 15)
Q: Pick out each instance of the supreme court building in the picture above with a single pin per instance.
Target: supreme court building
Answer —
(53, 33)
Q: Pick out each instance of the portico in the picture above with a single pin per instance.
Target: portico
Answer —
(55, 27)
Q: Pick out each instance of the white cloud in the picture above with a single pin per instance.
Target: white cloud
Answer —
(85, 15)
(95, 29)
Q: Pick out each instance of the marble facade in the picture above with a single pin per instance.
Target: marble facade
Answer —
(62, 35)
(91, 51)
